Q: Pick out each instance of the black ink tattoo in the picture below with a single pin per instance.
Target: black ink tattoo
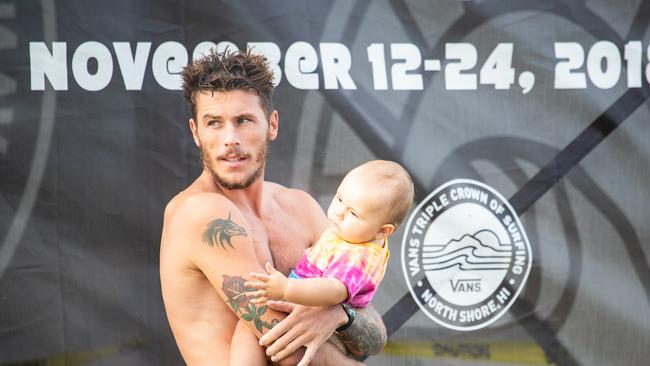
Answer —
(234, 289)
(221, 231)
(367, 334)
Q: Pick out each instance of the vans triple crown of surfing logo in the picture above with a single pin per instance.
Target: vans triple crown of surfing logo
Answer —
(465, 255)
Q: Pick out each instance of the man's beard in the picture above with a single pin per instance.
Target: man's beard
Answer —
(244, 183)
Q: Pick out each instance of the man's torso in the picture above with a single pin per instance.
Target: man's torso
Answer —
(202, 322)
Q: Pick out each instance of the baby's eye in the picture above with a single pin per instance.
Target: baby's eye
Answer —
(354, 214)
(338, 198)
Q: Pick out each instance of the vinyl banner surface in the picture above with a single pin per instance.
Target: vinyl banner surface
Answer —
(524, 125)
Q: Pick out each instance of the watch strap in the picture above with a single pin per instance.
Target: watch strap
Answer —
(349, 311)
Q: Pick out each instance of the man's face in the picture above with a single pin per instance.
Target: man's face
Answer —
(233, 133)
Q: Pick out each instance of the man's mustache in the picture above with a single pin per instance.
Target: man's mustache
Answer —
(234, 152)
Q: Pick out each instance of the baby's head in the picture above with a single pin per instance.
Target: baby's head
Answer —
(371, 202)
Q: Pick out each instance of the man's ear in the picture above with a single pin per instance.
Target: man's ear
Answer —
(274, 121)
(195, 133)
(385, 231)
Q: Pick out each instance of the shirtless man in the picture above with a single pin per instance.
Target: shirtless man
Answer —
(230, 222)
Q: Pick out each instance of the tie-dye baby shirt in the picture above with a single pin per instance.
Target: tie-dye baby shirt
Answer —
(359, 266)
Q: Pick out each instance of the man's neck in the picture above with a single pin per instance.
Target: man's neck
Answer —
(248, 199)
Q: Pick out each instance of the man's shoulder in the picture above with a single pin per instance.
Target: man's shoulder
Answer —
(188, 217)
(195, 205)
(300, 208)
(290, 196)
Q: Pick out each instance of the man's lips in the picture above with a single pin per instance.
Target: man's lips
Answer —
(233, 159)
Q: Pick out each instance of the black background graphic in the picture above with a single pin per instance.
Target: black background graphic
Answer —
(84, 176)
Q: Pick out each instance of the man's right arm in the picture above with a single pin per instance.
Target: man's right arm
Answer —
(217, 240)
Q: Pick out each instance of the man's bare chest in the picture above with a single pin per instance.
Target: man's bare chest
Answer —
(280, 241)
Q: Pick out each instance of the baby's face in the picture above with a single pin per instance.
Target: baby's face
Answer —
(357, 211)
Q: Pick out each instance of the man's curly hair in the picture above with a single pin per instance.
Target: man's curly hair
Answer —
(228, 71)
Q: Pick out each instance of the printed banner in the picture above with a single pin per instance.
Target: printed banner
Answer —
(524, 125)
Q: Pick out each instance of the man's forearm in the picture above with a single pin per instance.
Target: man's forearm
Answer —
(327, 355)
(367, 334)
(330, 355)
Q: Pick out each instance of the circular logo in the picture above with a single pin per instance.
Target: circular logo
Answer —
(465, 255)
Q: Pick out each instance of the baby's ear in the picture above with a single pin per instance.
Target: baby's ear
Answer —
(385, 231)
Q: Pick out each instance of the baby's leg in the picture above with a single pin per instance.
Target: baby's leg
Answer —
(245, 349)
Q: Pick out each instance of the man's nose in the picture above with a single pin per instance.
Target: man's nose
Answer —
(231, 137)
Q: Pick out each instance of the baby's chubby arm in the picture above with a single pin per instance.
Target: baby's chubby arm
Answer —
(273, 285)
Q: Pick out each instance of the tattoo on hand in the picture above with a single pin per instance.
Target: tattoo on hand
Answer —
(233, 287)
(221, 231)
(365, 336)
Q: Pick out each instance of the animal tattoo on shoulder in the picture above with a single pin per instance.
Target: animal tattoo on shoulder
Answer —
(220, 232)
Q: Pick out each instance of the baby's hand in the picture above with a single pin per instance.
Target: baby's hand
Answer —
(269, 286)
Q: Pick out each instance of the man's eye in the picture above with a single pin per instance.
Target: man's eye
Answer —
(243, 120)
(213, 123)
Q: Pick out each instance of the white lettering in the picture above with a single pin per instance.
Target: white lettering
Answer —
(100, 79)
(507, 220)
(520, 260)
(414, 265)
(429, 210)
(336, 61)
(132, 66)
(300, 62)
(444, 200)
(500, 210)
(438, 307)
(168, 61)
(469, 193)
(441, 203)
(503, 295)
(428, 295)
(53, 65)
(608, 77)
(416, 230)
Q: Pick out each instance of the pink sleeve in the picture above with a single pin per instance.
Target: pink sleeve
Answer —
(349, 269)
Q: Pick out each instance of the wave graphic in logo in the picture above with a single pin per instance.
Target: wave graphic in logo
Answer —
(481, 251)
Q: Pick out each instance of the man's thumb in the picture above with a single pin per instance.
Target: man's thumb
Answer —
(283, 306)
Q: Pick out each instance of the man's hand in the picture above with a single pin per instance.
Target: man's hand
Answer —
(269, 286)
(307, 326)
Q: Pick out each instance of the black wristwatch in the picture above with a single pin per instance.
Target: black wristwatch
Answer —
(349, 311)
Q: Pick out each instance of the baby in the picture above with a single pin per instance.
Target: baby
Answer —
(349, 260)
